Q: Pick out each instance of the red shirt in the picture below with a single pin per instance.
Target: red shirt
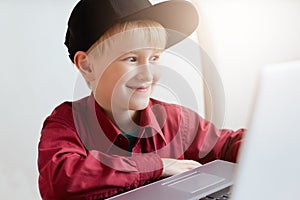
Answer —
(83, 155)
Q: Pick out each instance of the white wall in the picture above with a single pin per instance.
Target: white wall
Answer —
(241, 36)
(36, 75)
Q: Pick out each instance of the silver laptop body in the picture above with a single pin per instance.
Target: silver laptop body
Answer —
(193, 184)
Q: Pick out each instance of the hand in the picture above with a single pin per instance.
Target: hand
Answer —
(173, 166)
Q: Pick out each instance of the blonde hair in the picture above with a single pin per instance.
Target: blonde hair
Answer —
(152, 32)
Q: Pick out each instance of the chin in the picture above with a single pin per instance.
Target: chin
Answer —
(140, 104)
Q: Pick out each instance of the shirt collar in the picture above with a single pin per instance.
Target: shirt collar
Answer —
(153, 117)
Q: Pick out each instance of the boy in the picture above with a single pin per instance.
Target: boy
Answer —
(118, 138)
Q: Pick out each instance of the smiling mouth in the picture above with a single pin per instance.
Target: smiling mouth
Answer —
(140, 88)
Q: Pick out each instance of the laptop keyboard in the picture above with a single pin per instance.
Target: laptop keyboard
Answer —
(220, 195)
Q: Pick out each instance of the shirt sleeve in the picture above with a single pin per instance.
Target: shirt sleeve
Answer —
(209, 143)
(68, 171)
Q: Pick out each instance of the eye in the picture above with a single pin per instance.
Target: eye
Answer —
(154, 58)
(131, 59)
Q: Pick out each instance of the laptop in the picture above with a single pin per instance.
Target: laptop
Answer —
(269, 161)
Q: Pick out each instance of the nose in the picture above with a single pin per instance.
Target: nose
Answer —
(145, 73)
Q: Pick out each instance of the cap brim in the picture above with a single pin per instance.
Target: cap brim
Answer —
(180, 18)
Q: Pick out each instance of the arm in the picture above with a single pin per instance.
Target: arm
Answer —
(68, 171)
(209, 143)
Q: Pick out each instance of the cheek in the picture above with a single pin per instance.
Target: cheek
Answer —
(156, 75)
(105, 85)
(110, 76)
(111, 81)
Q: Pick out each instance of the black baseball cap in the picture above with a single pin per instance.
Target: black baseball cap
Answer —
(90, 19)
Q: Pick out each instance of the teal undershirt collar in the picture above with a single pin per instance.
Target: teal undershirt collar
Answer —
(132, 137)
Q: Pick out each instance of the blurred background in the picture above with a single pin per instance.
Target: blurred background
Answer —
(238, 38)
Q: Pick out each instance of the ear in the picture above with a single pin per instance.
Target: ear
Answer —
(81, 60)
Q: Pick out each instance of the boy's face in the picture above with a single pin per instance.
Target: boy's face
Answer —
(126, 83)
